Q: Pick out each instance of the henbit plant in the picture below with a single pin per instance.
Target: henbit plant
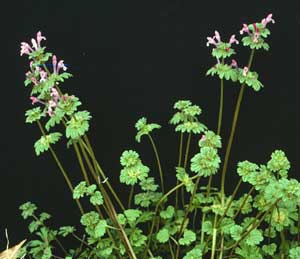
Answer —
(187, 221)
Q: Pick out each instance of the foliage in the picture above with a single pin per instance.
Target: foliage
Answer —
(194, 219)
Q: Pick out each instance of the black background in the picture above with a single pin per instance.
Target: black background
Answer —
(136, 58)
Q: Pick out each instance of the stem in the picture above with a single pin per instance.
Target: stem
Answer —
(82, 167)
(221, 107)
(298, 226)
(89, 149)
(67, 179)
(158, 163)
(214, 239)
(179, 164)
(283, 242)
(187, 150)
(130, 196)
(235, 118)
(185, 164)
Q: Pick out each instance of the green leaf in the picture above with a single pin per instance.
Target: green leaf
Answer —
(269, 249)
(195, 253)
(148, 184)
(44, 142)
(163, 235)
(66, 230)
(131, 175)
(33, 115)
(27, 209)
(100, 228)
(144, 128)
(254, 237)
(294, 253)
(55, 119)
(132, 215)
(96, 198)
(129, 158)
(79, 190)
(168, 213)
(188, 237)
(206, 163)
(78, 125)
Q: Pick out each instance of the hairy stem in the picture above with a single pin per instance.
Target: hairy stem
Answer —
(235, 118)
(65, 175)
(158, 163)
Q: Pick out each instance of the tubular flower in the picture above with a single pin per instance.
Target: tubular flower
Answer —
(233, 40)
(233, 63)
(36, 44)
(58, 66)
(245, 71)
(268, 19)
(245, 29)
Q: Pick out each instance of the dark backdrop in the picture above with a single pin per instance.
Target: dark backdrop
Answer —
(133, 59)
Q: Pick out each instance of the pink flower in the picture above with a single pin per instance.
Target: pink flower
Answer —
(233, 40)
(43, 75)
(211, 41)
(58, 66)
(54, 94)
(245, 71)
(25, 49)
(217, 36)
(54, 62)
(34, 100)
(61, 65)
(245, 29)
(268, 19)
(233, 63)
(51, 104)
(39, 38)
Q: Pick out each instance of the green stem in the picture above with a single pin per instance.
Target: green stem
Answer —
(65, 175)
(298, 226)
(214, 239)
(90, 151)
(187, 150)
(92, 170)
(179, 164)
(158, 163)
(235, 118)
(82, 167)
(221, 107)
(130, 196)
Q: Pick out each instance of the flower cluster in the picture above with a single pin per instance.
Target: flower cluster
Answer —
(255, 35)
(45, 92)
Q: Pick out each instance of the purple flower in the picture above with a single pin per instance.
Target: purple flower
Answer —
(268, 19)
(58, 66)
(211, 41)
(54, 94)
(245, 29)
(217, 36)
(25, 48)
(43, 75)
(36, 44)
(34, 100)
(51, 104)
(233, 40)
